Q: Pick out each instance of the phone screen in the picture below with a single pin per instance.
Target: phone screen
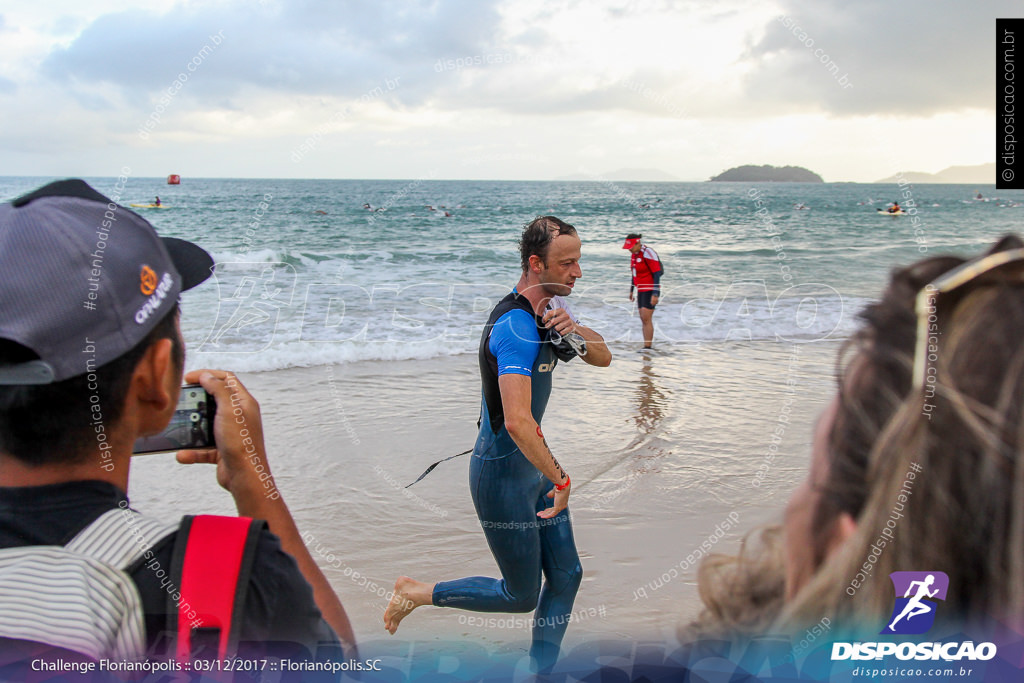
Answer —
(191, 426)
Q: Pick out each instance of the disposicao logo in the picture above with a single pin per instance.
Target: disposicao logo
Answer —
(913, 613)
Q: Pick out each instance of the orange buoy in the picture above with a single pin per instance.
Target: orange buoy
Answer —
(174, 179)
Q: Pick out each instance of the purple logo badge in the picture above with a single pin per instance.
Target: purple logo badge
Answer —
(916, 596)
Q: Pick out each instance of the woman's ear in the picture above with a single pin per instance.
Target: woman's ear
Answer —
(842, 530)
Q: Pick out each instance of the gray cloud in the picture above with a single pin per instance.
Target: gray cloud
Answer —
(7, 86)
(308, 48)
(916, 57)
(285, 67)
(347, 49)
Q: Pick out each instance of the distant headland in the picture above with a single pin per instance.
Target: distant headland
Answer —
(768, 174)
(982, 174)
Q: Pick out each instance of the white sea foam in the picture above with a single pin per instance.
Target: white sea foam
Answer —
(341, 323)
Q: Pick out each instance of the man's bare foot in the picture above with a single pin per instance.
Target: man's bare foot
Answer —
(409, 594)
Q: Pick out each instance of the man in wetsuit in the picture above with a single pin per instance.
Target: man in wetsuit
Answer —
(647, 270)
(513, 474)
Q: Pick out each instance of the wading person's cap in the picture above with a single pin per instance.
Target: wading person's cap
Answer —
(83, 279)
(631, 239)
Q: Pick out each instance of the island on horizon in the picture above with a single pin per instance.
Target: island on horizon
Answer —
(767, 174)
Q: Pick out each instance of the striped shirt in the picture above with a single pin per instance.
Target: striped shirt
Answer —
(279, 604)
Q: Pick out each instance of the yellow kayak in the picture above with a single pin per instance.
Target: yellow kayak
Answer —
(149, 206)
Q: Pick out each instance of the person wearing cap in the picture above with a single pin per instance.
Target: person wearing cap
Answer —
(647, 271)
(91, 358)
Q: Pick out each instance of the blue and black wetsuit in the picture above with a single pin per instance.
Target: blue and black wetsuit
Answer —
(508, 492)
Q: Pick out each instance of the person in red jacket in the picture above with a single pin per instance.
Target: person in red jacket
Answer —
(647, 270)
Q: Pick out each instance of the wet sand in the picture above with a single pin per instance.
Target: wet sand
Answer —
(664, 451)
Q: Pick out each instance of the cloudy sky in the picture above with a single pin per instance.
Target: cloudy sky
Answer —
(504, 89)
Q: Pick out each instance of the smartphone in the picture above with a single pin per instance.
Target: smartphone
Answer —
(191, 425)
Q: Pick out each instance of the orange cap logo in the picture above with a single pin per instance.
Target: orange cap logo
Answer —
(147, 281)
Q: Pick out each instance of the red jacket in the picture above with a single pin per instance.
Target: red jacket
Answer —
(646, 269)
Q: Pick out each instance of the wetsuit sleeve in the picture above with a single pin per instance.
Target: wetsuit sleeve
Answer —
(515, 342)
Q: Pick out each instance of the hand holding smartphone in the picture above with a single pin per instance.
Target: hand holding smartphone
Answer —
(191, 426)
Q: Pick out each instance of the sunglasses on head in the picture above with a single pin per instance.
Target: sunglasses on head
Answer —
(1002, 266)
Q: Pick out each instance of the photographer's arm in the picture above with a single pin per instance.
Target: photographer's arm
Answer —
(243, 469)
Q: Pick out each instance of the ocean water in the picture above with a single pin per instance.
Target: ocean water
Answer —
(316, 298)
(307, 276)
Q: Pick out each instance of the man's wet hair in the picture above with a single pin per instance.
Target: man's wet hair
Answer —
(537, 236)
(56, 423)
(633, 236)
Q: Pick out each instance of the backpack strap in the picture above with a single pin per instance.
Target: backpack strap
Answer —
(213, 558)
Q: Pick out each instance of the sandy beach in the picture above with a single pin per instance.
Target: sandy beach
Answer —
(664, 451)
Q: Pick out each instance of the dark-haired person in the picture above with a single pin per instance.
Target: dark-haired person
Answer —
(646, 270)
(91, 358)
(513, 474)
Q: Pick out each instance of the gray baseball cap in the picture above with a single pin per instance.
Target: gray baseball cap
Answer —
(83, 280)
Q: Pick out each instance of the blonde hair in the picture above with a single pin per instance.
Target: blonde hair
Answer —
(946, 477)
(742, 594)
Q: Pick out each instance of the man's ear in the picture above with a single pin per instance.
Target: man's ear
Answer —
(536, 263)
(152, 380)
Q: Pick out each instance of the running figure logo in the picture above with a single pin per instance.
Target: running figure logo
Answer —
(914, 613)
(248, 318)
